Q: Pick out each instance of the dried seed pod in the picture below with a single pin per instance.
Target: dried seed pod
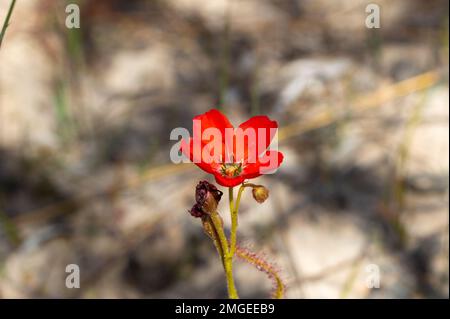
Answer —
(207, 196)
(196, 211)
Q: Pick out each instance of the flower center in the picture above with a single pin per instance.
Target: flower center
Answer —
(231, 169)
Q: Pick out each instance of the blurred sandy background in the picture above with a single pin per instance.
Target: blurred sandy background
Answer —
(85, 117)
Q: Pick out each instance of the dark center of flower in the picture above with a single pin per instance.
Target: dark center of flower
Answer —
(231, 169)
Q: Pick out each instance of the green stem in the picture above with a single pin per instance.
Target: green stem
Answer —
(227, 258)
(234, 209)
(230, 196)
(229, 250)
(233, 221)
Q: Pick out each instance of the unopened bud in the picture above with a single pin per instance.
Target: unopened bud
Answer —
(260, 193)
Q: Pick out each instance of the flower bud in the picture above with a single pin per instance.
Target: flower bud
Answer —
(207, 196)
(260, 193)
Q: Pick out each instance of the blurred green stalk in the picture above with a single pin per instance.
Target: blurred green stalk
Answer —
(224, 60)
(66, 125)
(74, 41)
(6, 23)
(255, 106)
(9, 228)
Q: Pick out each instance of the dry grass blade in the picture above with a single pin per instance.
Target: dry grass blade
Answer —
(6, 23)
(365, 102)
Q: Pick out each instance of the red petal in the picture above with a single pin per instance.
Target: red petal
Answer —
(251, 144)
(207, 167)
(228, 181)
(266, 164)
(214, 119)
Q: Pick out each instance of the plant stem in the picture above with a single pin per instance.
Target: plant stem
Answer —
(233, 221)
(228, 251)
(230, 196)
(234, 209)
(227, 258)
(6, 23)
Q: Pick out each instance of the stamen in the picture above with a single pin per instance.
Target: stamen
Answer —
(231, 169)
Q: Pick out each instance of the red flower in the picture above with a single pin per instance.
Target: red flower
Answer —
(232, 155)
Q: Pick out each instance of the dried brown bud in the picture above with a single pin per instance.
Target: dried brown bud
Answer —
(207, 197)
(260, 193)
(196, 211)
